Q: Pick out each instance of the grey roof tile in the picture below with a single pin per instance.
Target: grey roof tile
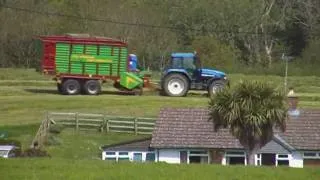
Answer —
(189, 127)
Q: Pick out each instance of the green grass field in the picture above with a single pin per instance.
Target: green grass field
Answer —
(25, 96)
(57, 168)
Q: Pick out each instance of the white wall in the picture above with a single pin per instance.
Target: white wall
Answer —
(171, 156)
(296, 160)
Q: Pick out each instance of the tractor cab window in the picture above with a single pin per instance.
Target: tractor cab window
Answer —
(177, 63)
(188, 63)
(183, 63)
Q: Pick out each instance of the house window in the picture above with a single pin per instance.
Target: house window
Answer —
(150, 156)
(282, 160)
(235, 157)
(111, 156)
(311, 155)
(110, 153)
(137, 157)
(198, 157)
(123, 156)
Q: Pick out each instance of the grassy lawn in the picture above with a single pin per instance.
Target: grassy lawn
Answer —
(57, 168)
(84, 145)
(25, 109)
(25, 100)
(77, 156)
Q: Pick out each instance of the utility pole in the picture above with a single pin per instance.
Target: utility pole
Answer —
(286, 59)
(286, 76)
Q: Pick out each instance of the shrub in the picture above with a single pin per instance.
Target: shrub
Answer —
(56, 128)
(32, 152)
(53, 141)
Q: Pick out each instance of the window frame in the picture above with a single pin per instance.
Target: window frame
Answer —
(234, 153)
(123, 157)
(282, 157)
(198, 153)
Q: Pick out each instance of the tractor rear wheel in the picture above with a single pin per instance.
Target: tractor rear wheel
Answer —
(176, 85)
(71, 87)
(215, 87)
(92, 87)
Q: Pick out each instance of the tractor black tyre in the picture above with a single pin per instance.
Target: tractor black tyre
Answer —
(92, 87)
(71, 87)
(216, 86)
(176, 85)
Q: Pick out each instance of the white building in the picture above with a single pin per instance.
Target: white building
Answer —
(7, 151)
(184, 135)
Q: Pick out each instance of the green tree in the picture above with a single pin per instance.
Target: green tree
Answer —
(250, 111)
(214, 53)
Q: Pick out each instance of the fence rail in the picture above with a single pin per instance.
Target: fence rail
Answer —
(104, 123)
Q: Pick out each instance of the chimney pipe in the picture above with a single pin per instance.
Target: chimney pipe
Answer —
(293, 102)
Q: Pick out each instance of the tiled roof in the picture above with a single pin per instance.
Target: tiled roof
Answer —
(190, 128)
(133, 145)
(303, 131)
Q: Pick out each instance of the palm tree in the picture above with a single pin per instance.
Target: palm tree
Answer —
(250, 111)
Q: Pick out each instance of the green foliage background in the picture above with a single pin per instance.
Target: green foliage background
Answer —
(237, 36)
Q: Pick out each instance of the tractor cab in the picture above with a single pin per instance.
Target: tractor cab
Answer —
(187, 62)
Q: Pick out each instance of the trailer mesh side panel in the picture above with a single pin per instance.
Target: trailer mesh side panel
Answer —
(90, 59)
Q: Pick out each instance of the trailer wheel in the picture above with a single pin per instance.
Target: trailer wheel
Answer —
(71, 87)
(92, 87)
(176, 85)
(215, 87)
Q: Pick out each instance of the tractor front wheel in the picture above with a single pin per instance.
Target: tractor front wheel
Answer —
(176, 85)
(215, 87)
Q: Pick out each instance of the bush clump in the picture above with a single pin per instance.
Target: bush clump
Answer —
(56, 128)
(32, 152)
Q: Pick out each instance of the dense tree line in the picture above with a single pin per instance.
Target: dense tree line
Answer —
(234, 35)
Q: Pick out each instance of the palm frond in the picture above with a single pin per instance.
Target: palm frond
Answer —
(250, 111)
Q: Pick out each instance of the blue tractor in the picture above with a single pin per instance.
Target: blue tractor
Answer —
(185, 73)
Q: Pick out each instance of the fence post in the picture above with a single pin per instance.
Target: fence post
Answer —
(48, 121)
(77, 121)
(107, 125)
(135, 126)
(103, 123)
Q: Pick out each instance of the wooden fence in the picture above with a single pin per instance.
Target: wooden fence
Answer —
(103, 123)
(42, 134)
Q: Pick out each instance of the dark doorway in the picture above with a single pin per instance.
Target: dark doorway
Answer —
(268, 159)
(183, 157)
(236, 160)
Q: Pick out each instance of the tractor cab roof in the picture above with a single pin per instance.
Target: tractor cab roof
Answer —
(182, 55)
